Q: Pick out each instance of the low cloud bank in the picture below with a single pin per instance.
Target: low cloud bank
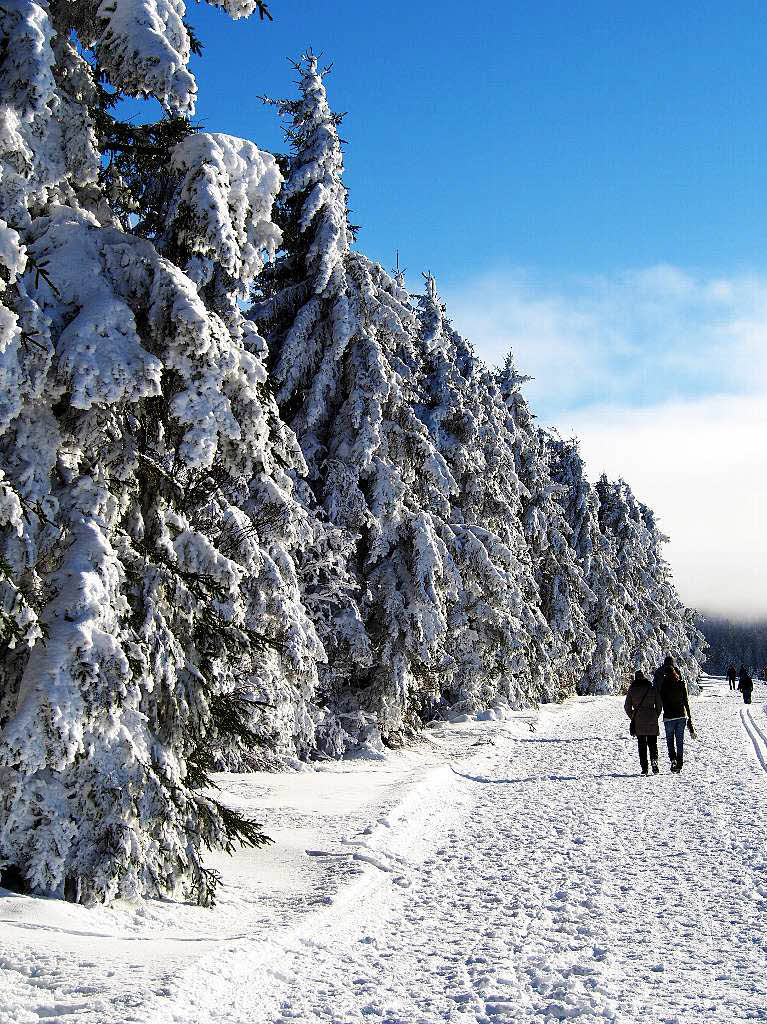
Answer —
(662, 375)
(701, 466)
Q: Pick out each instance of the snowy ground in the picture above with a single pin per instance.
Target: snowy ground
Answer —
(492, 873)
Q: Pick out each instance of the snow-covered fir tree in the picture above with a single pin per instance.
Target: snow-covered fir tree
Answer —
(608, 612)
(498, 639)
(146, 509)
(658, 622)
(676, 630)
(217, 228)
(341, 335)
(561, 584)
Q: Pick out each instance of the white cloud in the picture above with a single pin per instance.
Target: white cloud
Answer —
(662, 374)
(636, 337)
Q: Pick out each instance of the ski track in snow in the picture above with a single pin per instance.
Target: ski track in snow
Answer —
(757, 733)
(537, 878)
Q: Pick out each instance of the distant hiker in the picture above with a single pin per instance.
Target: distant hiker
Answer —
(746, 685)
(643, 706)
(743, 674)
(732, 675)
(676, 710)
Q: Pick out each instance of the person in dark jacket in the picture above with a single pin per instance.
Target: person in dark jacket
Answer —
(643, 706)
(746, 685)
(732, 675)
(676, 710)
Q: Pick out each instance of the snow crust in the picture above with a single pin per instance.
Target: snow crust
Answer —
(513, 869)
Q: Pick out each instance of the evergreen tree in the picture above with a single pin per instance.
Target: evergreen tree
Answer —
(146, 511)
(658, 623)
(340, 333)
(675, 626)
(560, 579)
(606, 606)
(497, 637)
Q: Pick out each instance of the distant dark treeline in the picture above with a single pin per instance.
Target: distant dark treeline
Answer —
(733, 643)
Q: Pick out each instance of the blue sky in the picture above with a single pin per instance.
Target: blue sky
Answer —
(569, 136)
(587, 182)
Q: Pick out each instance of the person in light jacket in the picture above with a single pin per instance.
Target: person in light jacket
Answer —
(643, 706)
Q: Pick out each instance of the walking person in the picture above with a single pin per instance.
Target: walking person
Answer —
(732, 675)
(643, 706)
(746, 685)
(676, 710)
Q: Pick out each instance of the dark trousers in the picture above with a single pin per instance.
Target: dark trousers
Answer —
(732, 684)
(646, 743)
(747, 696)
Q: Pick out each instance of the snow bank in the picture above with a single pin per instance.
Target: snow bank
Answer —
(345, 835)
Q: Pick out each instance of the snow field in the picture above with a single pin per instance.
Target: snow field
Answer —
(491, 874)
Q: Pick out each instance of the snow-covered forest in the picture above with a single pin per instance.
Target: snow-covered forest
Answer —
(734, 643)
(258, 501)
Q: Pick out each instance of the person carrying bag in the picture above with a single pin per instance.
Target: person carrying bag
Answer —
(643, 706)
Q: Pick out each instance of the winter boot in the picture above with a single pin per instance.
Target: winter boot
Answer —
(645, 771)
(679, 765)
(655, 768)
(673, 765)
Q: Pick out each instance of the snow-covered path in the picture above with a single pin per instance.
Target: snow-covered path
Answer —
(540, 879)
(571, 888)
